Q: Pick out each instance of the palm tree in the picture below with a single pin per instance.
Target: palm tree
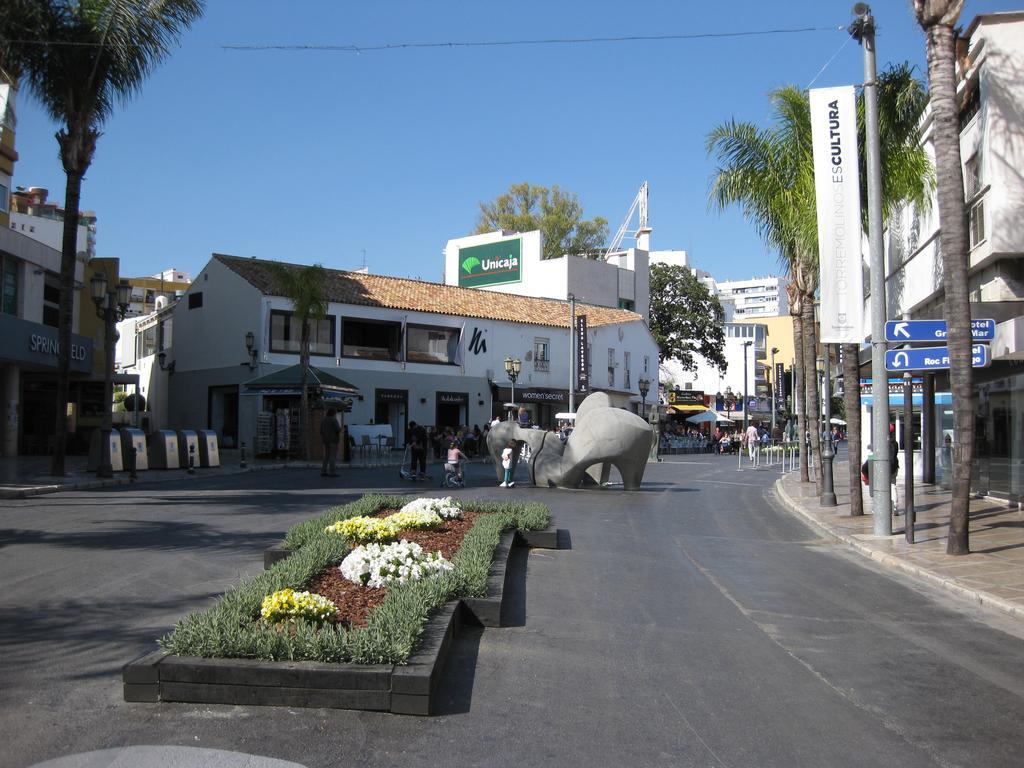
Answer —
(77, 59)
(306, 287)
(769, 174)
(937, 18)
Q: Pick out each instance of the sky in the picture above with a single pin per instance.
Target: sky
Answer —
(336, 157)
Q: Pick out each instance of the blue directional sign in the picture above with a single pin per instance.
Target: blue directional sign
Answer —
(935, 330)
(932, 358)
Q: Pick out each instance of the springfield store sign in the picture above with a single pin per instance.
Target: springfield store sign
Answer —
(22, 341)
(491, 264)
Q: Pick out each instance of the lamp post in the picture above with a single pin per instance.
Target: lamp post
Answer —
(111, 306)
(828, 493)
(746, 401)
(729, 400)
(512, 368)
(775, 386)
(250, 347)
(645, 387)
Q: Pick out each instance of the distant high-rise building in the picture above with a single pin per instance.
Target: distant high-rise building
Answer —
(756, 297)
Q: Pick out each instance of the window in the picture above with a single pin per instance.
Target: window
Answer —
(972, 176)
(627, 304)
(371, 339)
(971, 107)
(4, 198)
(51, 302)
(977, 222)
(286, 335)
(195, 300)
(647, 364)
(625, 370)
(166, 333)
(146, 341)
(424, 344)
(611, 367)
(541, 355)
(8, 285)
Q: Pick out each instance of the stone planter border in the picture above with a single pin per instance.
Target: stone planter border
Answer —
(407, 689)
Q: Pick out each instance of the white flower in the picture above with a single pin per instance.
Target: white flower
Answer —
(446, 507)
(377, 565)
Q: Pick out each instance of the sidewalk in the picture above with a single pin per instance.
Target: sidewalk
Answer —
(992, 574)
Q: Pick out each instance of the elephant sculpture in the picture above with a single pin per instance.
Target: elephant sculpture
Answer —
(603, 437)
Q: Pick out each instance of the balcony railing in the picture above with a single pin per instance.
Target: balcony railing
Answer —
(541, 365)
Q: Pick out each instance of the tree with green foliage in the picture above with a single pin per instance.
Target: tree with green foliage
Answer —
(686, 318)
(938, 18)
(77, 59)
(306, 288)
(557, 214)
(769, 174)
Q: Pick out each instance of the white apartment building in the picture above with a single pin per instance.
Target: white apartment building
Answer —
(992, 150)
(756, 297)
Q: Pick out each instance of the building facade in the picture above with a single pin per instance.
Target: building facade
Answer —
(415, 351)
(753, 298)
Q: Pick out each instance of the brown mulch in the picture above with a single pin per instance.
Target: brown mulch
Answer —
(355, 601)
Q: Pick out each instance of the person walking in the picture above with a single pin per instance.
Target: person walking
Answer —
(751, 438)
(330, 433)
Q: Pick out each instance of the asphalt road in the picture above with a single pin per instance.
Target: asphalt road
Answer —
(693, 623)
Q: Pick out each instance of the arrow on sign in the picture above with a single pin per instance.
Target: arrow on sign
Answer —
(900, 360)
(900, 329)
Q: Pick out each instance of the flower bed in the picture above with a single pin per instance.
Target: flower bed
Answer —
(386, 628)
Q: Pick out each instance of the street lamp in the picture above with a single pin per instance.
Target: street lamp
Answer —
(111, 306)
(828, 493)
(775, 386)
(746, 400)
(250, 346)
(728, 400)
(512, 368)
(645, 387)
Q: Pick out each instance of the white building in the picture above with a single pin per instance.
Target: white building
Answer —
(504, 262)
(417, 351)
(992, 151)
(756, 297)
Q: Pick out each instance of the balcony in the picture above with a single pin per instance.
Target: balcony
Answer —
(541, 366)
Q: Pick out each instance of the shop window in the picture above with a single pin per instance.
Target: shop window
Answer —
(425, 344)
(286, 334)
(375, 340)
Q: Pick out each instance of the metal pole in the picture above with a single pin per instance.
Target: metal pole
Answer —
(572, 353)
(928, 431)
(746, 403)
(775, 386)
(828, 491)
(908, 456)
(105, 468)
(863, 30)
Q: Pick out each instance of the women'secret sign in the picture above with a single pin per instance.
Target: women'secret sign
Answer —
(837, 188)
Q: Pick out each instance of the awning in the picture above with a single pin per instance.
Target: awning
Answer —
(286, 382)
(689, 409)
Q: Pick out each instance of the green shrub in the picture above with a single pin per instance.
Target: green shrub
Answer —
(230, 629)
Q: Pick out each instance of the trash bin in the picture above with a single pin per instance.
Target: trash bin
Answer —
(209, 453)
(115, 451)
(163, 449)
(134, 437)
(188, 447)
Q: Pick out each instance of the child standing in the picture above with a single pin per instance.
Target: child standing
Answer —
(506, 463)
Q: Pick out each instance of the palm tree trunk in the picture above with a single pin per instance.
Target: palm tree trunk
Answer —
(65, 316)
(851, 404)
(954, 246)
(798, 394)
(304, 396)
(811, 394)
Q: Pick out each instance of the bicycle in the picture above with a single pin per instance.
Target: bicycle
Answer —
(452, 477)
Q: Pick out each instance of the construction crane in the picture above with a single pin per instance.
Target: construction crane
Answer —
(639, 204)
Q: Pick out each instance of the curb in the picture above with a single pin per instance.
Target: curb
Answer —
(891, 561)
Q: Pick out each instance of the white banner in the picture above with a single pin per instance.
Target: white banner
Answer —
(837, 186)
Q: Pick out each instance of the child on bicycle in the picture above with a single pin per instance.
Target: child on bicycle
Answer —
(455, 458)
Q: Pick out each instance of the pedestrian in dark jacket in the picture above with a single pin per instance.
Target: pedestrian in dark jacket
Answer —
(330, 433)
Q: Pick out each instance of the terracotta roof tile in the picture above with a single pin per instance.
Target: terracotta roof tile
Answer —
(417, 295)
